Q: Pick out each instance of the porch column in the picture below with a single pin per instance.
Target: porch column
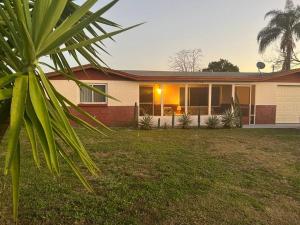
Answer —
(233, 94)
(186, 98)
(250, 103)
(162, 99)
(209, 98)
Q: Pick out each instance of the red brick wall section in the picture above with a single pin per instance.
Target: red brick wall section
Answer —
(109, 115)
(265, 114)
(245, 120)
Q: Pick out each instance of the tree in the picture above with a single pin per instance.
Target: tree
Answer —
(186, 60)
(29, 31)
(222, 65)
(284, 25)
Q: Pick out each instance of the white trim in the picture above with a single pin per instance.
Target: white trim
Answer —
(233, 94)
(209, 98)
(153, 99)
(255, 101)
(250, 105)
(161, 86)
(186, 98)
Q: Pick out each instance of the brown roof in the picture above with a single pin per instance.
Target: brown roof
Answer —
(171, 76)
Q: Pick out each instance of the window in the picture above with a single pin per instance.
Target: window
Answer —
(150, 100)
(215, 96)
(198, 99)
(182, 97)
(199, 96)
(146, 95)
(221, 99)
(89, 96)
(172, 99)
(146, 101)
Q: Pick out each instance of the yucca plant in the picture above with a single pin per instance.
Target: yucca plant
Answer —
(146, 123)
(229, 119)
(31, 30)
(185, 121)
(213, 122)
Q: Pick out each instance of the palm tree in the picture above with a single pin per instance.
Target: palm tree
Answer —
(31, 30)
(284, 26)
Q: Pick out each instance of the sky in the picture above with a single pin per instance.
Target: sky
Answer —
(221, 28)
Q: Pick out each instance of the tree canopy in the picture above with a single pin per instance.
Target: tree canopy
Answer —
(222, 65)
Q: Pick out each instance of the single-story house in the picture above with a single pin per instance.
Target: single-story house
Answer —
(265, 98)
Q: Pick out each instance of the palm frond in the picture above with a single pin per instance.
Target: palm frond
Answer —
(267, 36)
(297, 30)
(30, 30)
(273, 13)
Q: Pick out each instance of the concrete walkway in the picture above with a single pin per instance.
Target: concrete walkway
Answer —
(274, 126)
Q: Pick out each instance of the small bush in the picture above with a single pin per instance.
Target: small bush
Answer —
(146, 123)
(213, 122)
(229, 119)
(185, 121)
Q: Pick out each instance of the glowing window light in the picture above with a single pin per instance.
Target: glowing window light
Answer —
(158, 90)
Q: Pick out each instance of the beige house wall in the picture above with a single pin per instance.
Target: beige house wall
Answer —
(126, 92)
(266, 93)
(69, 89)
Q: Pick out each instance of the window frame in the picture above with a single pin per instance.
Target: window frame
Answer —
(146, 103)
(93, 92)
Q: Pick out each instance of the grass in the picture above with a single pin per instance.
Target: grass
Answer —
(168, 177)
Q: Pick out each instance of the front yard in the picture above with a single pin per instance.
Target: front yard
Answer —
(168, 177)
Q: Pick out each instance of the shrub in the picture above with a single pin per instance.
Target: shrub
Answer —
(213, 122)
(185, 121)
(146, 123)
(229, 119)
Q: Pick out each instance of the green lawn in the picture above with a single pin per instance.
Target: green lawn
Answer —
(169, 177)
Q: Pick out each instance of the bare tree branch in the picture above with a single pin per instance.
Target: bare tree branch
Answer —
(186, 60)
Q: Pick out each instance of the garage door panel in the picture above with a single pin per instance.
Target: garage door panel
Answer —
(288, 104)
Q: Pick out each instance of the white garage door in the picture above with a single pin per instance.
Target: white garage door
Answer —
(288, 104)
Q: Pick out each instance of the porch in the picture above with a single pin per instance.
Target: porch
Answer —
(162, 100)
